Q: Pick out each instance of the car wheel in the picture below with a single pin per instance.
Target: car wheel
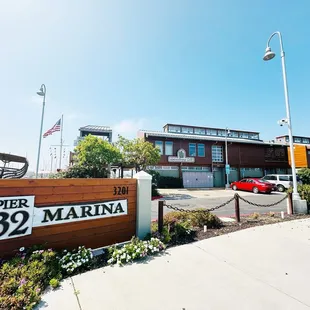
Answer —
(234, 187)
(255, 190)
(281, 188)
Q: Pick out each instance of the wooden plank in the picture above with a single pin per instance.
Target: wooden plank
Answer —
(66, 182)
(56, 190)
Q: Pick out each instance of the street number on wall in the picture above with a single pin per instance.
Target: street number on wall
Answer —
(16, 215)
(120, 190)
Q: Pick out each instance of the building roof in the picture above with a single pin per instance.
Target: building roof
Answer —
(207, 138)
(94, 128)
(204, 127)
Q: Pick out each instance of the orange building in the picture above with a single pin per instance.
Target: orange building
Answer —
(301, 150)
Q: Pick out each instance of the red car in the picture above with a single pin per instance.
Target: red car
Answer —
(254, 185)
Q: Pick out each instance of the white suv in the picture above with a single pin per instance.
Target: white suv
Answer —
(283, 181)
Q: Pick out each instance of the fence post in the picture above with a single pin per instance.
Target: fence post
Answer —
(144, 204)
(290, 203)
(160, 216)
(237, 209)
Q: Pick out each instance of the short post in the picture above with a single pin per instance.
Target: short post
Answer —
(160, 216)
(237, 208)
(144, 204)
(290, 203)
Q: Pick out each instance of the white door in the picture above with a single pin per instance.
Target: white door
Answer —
(197, 179)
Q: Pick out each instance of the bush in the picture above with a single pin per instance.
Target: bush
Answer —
(77, 260)
(134, 250)
(54, 283)
(304, 175)
(155, 176)
(304, 192)
(24, 277)
(155, 192)
(170, 182)
(196, 219)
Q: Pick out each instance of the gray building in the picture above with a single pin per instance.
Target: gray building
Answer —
(103, 132)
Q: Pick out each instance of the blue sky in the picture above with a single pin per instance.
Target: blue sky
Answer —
(141, 64)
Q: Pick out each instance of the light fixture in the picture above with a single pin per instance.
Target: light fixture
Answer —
(269, 54)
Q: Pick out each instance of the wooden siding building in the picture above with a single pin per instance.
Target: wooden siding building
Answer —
(197, 154)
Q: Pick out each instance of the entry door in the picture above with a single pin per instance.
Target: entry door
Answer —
(197, 179)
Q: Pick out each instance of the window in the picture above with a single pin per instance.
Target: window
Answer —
(221, 133)
(283, 178)
(297, 140)
(211, 132)
(270, 178)
(187, 130)
(244, 135)
(287, 139)
(192, 149)
(201, 150)
(200, 131)
(234, 134)
(168, 148)
(217, 153)
(174, 129)
(159, 144)
(253, 136)
(305, 140)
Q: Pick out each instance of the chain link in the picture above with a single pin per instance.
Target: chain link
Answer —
(224, 204)
(261, 205)
(197, 211)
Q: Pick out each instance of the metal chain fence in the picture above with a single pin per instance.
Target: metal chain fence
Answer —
(236, 196)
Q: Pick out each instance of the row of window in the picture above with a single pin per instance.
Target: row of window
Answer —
(299, 140)
(194, 149)
(212, 132)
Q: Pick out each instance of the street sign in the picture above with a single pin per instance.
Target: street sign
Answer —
(227, 168)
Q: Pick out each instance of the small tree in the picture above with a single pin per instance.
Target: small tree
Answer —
(304, 175)
(92, 157)
(138, 153)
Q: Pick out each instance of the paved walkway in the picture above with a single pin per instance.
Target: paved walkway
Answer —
(259, 268)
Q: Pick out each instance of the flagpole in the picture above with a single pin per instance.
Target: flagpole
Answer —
(61, 142)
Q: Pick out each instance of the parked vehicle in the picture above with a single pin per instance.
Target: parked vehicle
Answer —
(254, 185)
(282, 181)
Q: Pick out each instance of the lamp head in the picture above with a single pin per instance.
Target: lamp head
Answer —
(41, 92)
(269, 54)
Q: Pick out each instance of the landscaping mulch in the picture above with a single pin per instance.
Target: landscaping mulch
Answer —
(247, 222)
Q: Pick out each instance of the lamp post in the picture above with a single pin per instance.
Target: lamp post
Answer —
(227, 132)
(41, 92)
(268, 56)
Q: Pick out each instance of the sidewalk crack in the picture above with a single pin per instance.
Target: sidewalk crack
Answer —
(76, 293)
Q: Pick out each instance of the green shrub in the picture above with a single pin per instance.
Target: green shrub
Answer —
(304, 192)
(54, 283)
(304, 175)
(155, 176)
(170, 182)
(77, 260)
(155, 192)
(135, 250)
(24, 277)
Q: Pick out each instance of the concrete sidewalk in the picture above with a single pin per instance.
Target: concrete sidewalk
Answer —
(264, 267)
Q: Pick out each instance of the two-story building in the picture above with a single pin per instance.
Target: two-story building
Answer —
(197, 154)
(301, 150)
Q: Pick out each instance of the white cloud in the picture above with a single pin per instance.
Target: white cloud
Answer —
(128, 128)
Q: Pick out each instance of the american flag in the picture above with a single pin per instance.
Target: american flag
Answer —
(56, 127)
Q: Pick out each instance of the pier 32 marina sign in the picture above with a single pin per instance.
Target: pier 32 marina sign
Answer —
(18, 215)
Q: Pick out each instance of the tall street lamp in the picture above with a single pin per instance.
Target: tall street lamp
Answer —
(268, 56)
(227, 167)
(41, 92)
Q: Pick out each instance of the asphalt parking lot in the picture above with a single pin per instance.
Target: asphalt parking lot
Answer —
(209, 198)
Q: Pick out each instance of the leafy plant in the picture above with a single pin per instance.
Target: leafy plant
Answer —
(54, 283)
(24, 277)
(271, 214)
(304, 175)
(76, 260)
(138, 152)
(134, 250)
(255, 216)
